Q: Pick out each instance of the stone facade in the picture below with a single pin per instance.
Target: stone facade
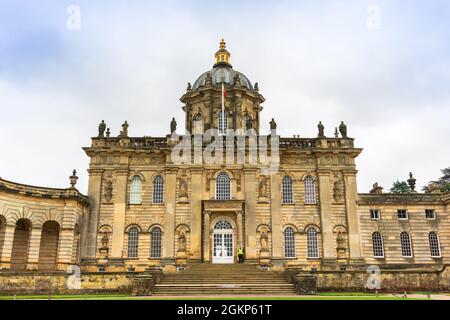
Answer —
(144, 210)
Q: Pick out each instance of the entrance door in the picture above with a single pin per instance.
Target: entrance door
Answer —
(223, 242)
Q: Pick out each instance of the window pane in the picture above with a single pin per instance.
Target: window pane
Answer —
(313, 250)
(158, 190)
(377, 243)
(289, 243)
(223, 122)
(223, 187)
(155, 251)
(133, 242)
(287, 190)
(310, 191)
(434, 244)
(405, 241)
(135, 190)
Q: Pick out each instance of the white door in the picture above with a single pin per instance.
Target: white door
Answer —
(223, 243)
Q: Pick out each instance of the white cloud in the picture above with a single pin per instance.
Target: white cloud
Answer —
(313, 62)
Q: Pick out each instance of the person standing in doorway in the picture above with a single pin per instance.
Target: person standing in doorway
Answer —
(241, 255)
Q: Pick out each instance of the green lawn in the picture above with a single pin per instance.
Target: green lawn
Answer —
(320, 296)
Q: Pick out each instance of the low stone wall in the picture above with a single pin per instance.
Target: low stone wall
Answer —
(62, 283)
(390, 280)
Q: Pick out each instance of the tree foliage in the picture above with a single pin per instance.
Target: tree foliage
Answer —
(400, 187)
(441, 185)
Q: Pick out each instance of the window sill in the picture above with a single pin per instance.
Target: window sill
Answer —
(380, 258)
(313, 259)
(375, 219)
(287, 204)
(150, 258)
(310, 204)
(128, 258)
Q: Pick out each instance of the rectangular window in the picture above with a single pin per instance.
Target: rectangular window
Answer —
(402, 214)
(375, 214)
(430, 214)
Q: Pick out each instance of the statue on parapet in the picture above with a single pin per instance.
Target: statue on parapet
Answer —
(376, 188)
(173, 125)
(273, 125)
(124, 132)
(101, 129)
(343, 129)
(321, 128)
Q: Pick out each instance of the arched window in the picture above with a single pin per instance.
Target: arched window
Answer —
(223, 187)
(287, 190)
(133, 242)
(155, 246)
(198, 124)
(135, 190)
(405, 242)
(158, 190)
(223, 224)
(246, 122)
(313, 250)
(223, 122)
(377, 244)
(435, 248)
(289, 243)
(310, 191)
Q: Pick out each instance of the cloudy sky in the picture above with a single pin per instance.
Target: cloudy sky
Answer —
(381, 66)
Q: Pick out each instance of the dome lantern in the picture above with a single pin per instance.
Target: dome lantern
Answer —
(222, 56)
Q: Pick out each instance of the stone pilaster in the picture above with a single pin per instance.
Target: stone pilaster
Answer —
(89, 230)
(206, 237)
(170, 201)
(250, 213)
(5, 259)
(33, 249)
(275, 212)
(66, 239)
(120, 207)
(325, 215)
(240, 227)
(196, 214)
(351, 196)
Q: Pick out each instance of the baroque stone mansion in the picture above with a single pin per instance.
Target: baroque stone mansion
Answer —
(144, 210)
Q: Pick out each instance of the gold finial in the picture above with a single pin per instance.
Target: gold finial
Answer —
(223, 56)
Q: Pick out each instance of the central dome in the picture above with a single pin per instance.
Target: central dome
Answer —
(222, 73)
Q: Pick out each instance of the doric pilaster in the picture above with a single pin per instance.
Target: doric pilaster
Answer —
(206, 237)
(120, 207)
(351, 196)
(250, 212)
(89, 231)
(275, 211)
(33, 249)
(170, 201)
(325, 214)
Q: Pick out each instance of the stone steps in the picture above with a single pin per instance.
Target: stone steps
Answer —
(233, 279)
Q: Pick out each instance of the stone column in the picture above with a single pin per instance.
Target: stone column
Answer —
(120, 207)
(206, 237)
(325, 215)
(170, 200)
(240, 229)
(33, 248)
(89, 231)
(275, 211)
(5, 259)
(196, 214)
(250, 213)
(351, 197)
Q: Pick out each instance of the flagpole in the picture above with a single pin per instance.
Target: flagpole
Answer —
(223, 107)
